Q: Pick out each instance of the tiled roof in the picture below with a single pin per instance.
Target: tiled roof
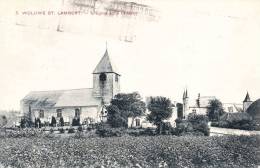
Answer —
(62, 98)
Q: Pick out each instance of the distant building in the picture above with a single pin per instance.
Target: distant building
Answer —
(141, 121)
(86, 104)
(247, 102)
(199, 106)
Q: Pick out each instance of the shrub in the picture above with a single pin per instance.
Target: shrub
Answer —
(194, 125)
(71, 130)
(76, 122)
(61, 130)
(80, 128)
(51, 130)
(53, 121)
(110, 132)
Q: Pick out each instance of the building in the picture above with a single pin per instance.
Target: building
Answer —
(87, 103)
(142, 122)
(247, 102)
(199, 106)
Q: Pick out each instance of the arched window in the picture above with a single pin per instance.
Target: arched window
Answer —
(59, 113)
(41, 113)
(77, 113)
(102, 77)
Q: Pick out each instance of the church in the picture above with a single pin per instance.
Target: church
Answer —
(86, 104)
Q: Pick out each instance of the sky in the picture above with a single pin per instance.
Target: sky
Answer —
(210, 47)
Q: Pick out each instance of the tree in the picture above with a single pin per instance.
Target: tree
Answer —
(123, 106)
(53, 121)
(160, 109)
(37, 123)
(179, 110)
(215, 110)
(3, 120)
(61, 122)
(115, 118)
(76, 121)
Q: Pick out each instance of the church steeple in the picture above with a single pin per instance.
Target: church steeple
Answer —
(106, 79)
(247, 102)
(105, 65)
(247, 98)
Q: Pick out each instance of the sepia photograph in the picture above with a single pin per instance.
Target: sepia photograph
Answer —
(129, 84)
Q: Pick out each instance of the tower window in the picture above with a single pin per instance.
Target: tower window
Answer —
(102, 77)
(41, 114)
(59, 113)
(77, 113)
(116, 78)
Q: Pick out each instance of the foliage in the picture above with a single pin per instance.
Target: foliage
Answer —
(110, 132)
(179, 110)
(26, 122)
(194, 125)
(3, 120)
(61, 130)
(123, 106)
(26, 132)
(61, 121)
(37, 123)
(71, 130)
(160, 109)
(115, 117)
(241, 121)
(76, 121)
(214, 110)
(53, 121)
(80, 128)
(127, 151)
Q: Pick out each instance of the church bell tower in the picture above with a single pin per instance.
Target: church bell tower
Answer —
(106, 80)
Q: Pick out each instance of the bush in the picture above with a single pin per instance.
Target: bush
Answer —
(76, 122)
(194, 125)
(110, 132)
(61, 130)
(51, 130)
(71, 130)
(80, 128)
(237, 124)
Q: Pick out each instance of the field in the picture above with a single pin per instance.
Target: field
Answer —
(127, 151)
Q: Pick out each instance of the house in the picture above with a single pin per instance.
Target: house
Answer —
(87, 104)
(142, 122)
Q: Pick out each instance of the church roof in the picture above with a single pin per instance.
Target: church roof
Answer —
(247, 98)
(61, 98)
(105, 65)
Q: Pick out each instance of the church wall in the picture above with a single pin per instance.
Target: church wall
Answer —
(68, 113)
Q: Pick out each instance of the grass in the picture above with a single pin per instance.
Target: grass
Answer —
(127, 151)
